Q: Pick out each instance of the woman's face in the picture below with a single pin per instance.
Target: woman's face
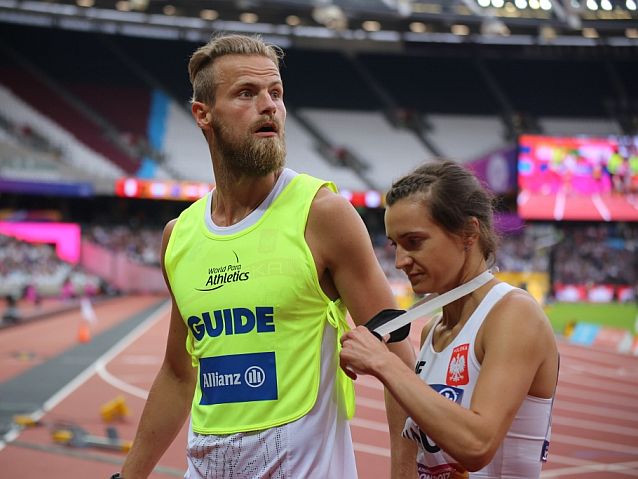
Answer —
(430, 256)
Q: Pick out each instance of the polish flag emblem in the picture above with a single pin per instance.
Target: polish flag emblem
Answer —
(457, 374)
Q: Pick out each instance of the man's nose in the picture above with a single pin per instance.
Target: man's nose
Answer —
(266, 104)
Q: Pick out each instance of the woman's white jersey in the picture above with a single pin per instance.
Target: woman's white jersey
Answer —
(453, 373)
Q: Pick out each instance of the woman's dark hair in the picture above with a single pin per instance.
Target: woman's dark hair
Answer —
(453, 196)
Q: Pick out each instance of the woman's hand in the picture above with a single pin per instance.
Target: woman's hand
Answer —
(362, 352)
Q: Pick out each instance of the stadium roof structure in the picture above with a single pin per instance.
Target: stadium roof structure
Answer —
(356, 24)
(516, 61)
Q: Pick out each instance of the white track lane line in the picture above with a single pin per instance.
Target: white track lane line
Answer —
(624, 468)
(604, 372)
(88, 372)
(523, 198)
(375, 450)
(370, 403)
(559, 206)
(369, 424)
(606, 446)
(601, 207)
(119, 384)
(598, 411)
(591, 354)
(626, 431)
(591, 397)
(568, 460)
(368, 382)
(105, 358)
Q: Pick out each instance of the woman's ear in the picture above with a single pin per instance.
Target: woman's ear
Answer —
(472, 232)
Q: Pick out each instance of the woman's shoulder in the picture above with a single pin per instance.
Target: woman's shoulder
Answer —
(517, 313)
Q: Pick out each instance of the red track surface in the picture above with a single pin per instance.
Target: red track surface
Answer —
(595, 433)
(576, 207)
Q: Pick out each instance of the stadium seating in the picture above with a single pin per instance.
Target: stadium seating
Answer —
(387, 152)
(78, 155)
(558, 126)
(466, 137)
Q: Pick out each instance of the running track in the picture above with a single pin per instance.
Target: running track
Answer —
(561, 206)
(595, 433)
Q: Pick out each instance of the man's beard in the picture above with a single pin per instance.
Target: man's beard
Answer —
(250, 156)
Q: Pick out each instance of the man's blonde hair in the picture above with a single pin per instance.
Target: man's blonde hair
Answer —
(200, 66)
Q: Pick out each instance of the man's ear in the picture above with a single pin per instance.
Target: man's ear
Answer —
(202, 114)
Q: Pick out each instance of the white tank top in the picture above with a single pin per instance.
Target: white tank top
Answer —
(453, 373)
(316, 446)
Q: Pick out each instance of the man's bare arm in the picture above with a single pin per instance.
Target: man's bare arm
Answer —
(341, 245)
(169, 399)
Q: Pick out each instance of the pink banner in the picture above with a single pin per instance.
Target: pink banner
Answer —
(121, 271)
(65, 236)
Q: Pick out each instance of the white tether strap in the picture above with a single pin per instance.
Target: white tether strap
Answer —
(433, 302)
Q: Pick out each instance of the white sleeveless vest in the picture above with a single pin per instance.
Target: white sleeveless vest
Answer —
(453, 373)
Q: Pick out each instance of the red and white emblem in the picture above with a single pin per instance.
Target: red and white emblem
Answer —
(457, 374)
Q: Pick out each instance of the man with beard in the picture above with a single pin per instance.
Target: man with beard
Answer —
(261, 271)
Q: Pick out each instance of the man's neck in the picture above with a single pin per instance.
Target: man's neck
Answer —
(235, 198)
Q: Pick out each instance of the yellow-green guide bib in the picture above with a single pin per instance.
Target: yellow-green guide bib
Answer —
(255, 314)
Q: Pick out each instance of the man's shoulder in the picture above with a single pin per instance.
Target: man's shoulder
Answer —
(326, 195)
(329, 204)
(168, 228)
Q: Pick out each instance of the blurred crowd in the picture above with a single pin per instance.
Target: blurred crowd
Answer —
(525, 251)
(599, 254)
(35, 270)
(569, 254)
(140, 244)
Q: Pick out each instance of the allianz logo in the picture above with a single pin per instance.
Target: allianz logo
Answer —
(253, 377)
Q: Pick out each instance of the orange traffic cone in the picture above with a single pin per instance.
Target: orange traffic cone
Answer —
(84, 332)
